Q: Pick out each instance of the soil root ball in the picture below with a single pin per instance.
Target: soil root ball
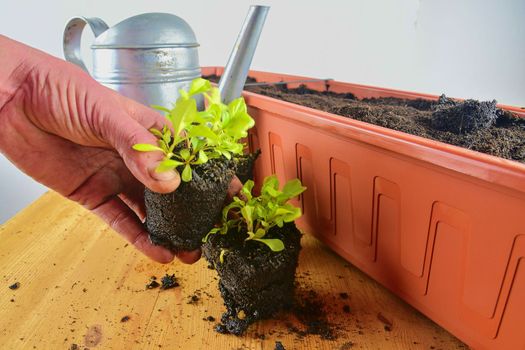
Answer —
(464, 117)
(179, 220)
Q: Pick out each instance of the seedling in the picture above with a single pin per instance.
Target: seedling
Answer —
(192, 137)
(257, 215)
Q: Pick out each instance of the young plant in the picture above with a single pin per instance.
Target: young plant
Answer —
(257, 215)
(193, 137)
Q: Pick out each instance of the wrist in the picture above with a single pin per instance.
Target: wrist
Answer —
(16, 62)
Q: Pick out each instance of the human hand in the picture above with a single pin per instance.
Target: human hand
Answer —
(73, 135)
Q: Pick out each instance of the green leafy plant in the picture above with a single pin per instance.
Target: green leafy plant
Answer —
(193, 137)
(256, 215)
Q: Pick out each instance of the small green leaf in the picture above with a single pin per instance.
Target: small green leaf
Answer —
(166, 136)
(146, 147)
(221, 255)
(185, 154)
(293, 188)
(186, 173)
(203, 158)
(214, 97)
(247, 189)
(247, 214)
(183, 114)
(156, 132)
(260, 233)
(212, 232)
(274, 244)
(203, 131)
(167, 164)
(198, 86)
(271, 182)
(160, 108)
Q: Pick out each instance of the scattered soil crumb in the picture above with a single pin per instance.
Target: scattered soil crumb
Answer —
(193, 299)
(73, 347)
(169, 281)
(125, 319)
(152, 285)
(346, 309)
(14, 286)
(310, 311)
(12, 300)
(346, 346)
(210, 318)
(279, 346)
(343, 295)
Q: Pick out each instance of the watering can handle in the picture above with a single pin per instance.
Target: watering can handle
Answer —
(73, 34)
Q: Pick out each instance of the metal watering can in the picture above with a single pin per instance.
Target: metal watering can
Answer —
(151, 56)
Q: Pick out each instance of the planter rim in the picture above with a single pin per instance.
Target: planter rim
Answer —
(493, 169)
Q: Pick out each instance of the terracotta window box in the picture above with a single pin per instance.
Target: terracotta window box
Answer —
(439, 225)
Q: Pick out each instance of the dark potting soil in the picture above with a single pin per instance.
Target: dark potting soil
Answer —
(478, 126)
(312, 313)
(279, 346)
(244, 165)
(168, 282)
(255, 282)
(471, 124)
(152, 285)
(179, 220)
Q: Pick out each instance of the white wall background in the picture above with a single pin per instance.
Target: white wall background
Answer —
(465, 48)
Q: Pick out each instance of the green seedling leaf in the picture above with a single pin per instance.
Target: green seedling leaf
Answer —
(274, 244)
(214, 97)
(293, 188)
(260, 233)
(156, 132)
(185, 154)
(247, 214)
(167, 164)
(202, 158)
(270, 182)
(221, 256)
(145, 147)
(198, 86)
(186, 173)
(183, 114)
(160, 108)
(246, 189)
(202, 131)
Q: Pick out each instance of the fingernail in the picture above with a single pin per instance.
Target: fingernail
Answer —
(164, 175)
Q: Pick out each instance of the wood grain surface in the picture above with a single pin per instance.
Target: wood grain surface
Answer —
(78, 279)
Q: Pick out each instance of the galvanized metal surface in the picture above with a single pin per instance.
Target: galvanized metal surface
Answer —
(148, 57)
(236, 70)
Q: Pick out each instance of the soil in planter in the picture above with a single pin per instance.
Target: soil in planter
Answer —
(478, 126)
(471, 124)
(255, 282)
(179, 220)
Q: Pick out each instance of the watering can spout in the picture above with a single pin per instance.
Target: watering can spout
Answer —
(236, 70)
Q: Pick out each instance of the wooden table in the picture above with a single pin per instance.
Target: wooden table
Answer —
(78, 279)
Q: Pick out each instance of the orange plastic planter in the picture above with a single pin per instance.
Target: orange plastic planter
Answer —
(441, 226)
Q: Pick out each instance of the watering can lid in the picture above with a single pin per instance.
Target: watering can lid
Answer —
(148, 30)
